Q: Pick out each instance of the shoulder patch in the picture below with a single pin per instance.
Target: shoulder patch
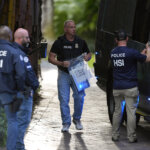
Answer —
(26, 59)
(21, 57)
(76, 45)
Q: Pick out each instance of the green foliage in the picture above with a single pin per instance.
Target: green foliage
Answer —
(84, 13)
(3, 127)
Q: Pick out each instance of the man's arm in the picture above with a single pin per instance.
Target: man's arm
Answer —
(20, 73)
(31, 78)
(147, 53)
(52, 59)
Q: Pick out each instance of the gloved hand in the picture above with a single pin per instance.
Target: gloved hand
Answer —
(27, 92)
(17, 101)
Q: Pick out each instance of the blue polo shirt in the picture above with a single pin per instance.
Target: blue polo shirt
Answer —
(124, 61)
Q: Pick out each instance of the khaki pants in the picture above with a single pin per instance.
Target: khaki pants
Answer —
(130, 97)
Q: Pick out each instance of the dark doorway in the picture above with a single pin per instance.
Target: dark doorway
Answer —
(141, 28)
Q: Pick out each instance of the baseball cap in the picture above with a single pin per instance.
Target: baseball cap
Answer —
(120, 35)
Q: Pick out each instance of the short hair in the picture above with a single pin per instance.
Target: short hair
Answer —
(5, 33)
(67, 21)
(120, 35)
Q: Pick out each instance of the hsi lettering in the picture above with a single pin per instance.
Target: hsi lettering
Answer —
(118, 62)
(1, 63)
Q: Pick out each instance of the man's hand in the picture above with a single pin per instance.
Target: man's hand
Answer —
(52, 59)
(144, 51)
(87, 57)
(66, 64)
(147, 53)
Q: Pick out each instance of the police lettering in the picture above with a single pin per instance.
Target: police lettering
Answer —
(67, 47)
(118, 63)
(3, 53)
(118, 55)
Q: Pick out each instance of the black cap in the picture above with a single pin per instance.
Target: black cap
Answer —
(120, 35)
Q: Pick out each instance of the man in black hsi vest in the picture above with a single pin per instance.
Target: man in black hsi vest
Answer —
(64, 49)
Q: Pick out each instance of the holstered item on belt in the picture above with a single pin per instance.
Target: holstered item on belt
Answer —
(15, 104)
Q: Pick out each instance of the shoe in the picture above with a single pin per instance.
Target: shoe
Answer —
(65, 128)
(115, 139)
(133, 140)
(78, 124)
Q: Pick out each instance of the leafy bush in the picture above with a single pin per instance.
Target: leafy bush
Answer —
(84, 13)
(3, 127)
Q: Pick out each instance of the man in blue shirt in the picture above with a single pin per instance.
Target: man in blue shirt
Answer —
(24, 114)
(124, 61)
(12, 79)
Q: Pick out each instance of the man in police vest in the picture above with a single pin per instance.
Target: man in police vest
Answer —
(124, 61)
(12, 79)
(64, 49)
(21, 37)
